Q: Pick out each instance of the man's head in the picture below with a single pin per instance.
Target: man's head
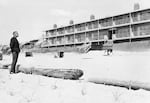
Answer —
(15, 34)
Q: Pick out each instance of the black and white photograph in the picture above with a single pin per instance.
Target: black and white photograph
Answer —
(74, 51)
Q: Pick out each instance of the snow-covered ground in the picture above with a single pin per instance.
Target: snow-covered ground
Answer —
(123, 66)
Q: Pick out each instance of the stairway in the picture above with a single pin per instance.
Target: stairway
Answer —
(85, 48)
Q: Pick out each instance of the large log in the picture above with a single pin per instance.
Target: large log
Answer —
(28, 54)
(4, 66)
(72, 74)
(1, 56)
(135, 85)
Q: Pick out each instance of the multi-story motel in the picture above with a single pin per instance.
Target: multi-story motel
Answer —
(125, 30)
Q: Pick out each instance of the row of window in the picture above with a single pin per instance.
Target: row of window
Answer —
(141, 16)
(80, 29)
(145, 15)
(100, 35)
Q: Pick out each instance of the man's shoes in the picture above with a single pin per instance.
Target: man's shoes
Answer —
(12, 72)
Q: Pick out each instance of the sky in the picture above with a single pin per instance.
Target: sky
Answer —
(32, 17)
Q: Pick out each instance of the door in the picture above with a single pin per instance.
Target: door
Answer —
(110, 32)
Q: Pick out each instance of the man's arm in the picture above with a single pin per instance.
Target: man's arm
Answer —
(12, 44)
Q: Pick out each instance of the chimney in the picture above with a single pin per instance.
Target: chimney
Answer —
(92, 17)
(136, 6)
(55, 26)
(71, 22)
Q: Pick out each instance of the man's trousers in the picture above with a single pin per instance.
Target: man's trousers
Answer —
(14, 61)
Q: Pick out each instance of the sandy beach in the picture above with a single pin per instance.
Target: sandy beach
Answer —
(124, 66)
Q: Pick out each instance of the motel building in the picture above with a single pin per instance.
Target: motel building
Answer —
(123, 31)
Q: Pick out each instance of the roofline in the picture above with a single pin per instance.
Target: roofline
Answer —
(99, 19)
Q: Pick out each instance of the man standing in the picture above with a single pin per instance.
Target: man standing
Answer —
(14, 45)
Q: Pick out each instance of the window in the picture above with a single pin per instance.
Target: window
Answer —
(122, 19)
(106, 22)
(95, 35)
(89, 36)
(102, 33)
(70, 29)
(123, 32)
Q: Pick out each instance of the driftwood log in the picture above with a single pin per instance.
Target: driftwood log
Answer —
(28, 54)
(5, 66)
(73, 74)
(135, 85)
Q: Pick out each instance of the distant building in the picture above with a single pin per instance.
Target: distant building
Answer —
(30, 44)
(127, 27)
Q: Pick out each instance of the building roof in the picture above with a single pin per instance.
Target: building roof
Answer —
(98, 19)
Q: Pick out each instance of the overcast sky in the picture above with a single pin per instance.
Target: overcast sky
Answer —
(31, 17)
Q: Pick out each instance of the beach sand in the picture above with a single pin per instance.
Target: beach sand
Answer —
(123, 66)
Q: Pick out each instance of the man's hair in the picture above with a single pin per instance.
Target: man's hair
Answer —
(15, 32)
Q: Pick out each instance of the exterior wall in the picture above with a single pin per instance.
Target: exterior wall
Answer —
(133, 46)
(125, 26)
